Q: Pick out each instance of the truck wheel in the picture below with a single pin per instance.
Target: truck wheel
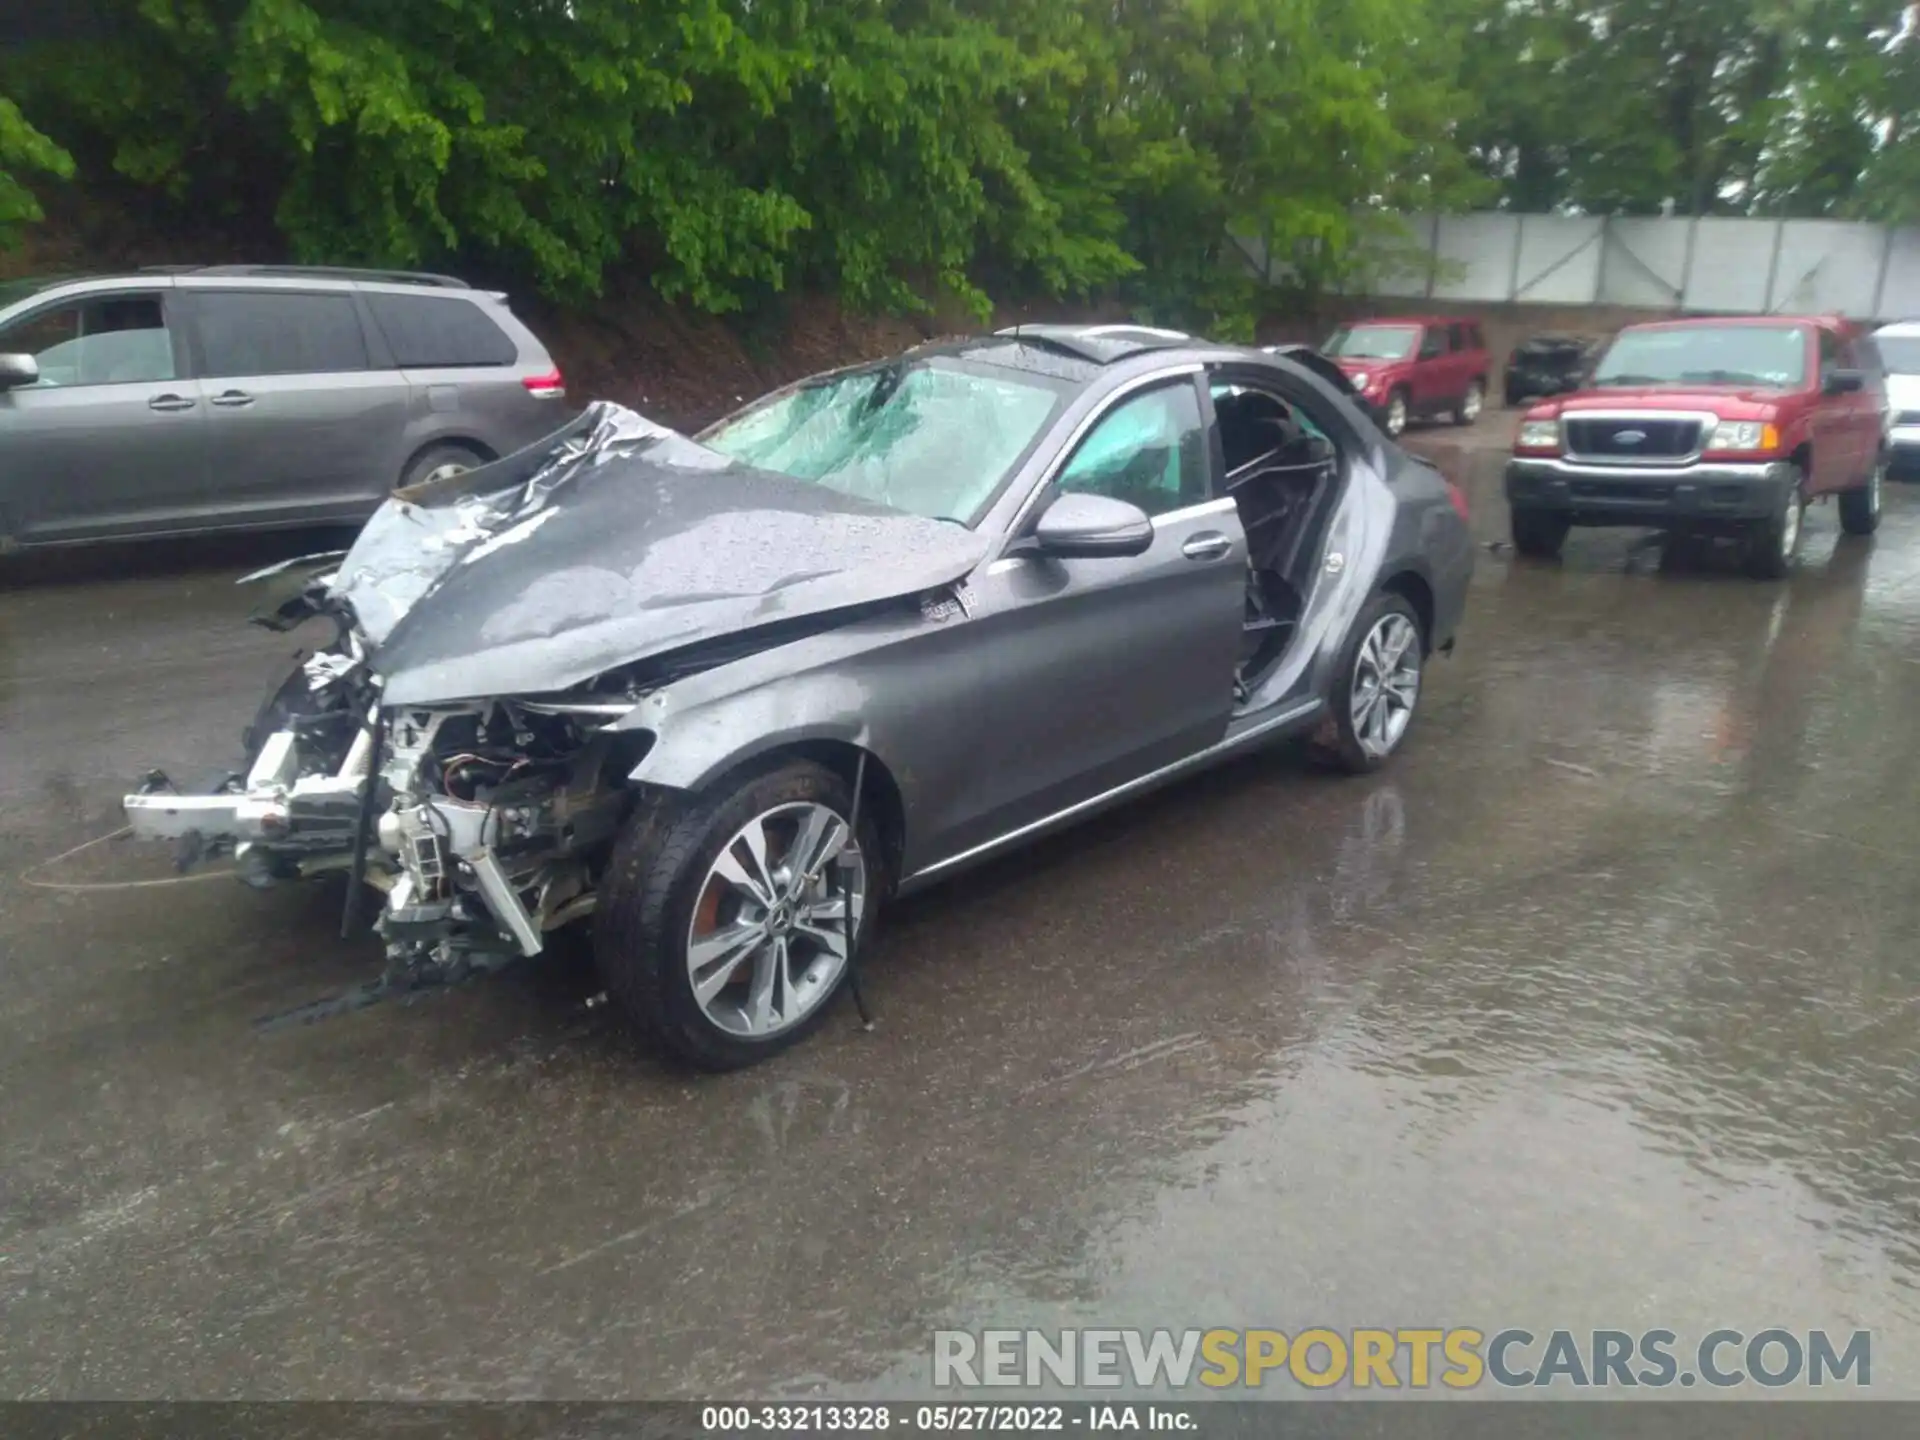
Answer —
(1539, 534)
(1860, 509)
(1471, 404)
(723, 926)
(1395, 421)
(1772, 543)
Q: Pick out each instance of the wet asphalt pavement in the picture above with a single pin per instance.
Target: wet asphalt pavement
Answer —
(1598, 1008)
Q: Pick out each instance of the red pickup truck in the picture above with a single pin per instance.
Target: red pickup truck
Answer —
(1415, 366)
(1730, 424)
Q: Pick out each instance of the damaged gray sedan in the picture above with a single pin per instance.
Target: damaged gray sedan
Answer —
(728, 694)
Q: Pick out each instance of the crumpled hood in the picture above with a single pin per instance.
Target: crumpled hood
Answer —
(614, 541)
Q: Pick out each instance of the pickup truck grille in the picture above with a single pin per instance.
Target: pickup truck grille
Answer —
(1625, 440)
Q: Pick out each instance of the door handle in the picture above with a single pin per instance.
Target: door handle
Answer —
(170, 402)
(231, 399)
(1210, 546)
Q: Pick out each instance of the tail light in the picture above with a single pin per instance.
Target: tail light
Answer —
(550, 386)
(1459, 499)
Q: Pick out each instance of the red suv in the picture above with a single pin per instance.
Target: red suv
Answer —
(1729, 425)
(1422, 365)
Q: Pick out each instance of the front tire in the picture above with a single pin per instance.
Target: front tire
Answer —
(1772, 543)
(1376, 688)
(723, 925)
(1539, 534)
(1860, 509)
(1395, 420)
(1471, 404)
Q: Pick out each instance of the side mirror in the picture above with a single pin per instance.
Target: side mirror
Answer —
(1085, 527)
(1845, 382)
(18, 370)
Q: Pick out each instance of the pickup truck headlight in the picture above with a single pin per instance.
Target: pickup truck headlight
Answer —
(1359, 379)
(1744, 435)
(1539, 435)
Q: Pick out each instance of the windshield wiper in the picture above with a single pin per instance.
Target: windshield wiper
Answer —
(1721, 377)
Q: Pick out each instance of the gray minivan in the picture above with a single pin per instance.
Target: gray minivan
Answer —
(190, 399)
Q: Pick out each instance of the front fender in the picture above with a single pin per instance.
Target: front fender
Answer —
(897, 685)
(696, 743)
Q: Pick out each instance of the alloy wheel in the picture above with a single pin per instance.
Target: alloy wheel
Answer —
(1386, 685)
(776, 917)
(1470, 407)
(446, 471)
(1396, 415)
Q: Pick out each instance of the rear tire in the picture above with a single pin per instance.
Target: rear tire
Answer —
(438, 462)
(1772, 544)
(1860, 509)
(661, 881)
(1539, 534)
(1356, 735)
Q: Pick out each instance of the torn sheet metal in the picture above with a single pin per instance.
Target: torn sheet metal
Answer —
(614, 541)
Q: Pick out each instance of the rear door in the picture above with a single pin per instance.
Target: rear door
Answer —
(112, 440)
(301, 426)
(1097, 672)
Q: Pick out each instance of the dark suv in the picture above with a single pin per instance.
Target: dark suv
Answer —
(250, 397)
(1730, 424)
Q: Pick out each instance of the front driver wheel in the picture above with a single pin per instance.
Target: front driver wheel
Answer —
(724, 928)
(1376, 687)
(1539, 534)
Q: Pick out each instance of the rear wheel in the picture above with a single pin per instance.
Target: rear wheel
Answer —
(1376, 687)
(1860, 509)
(724, 927)
(440, 462)
(1471, 404)
(1772, 543)
(1539, 534)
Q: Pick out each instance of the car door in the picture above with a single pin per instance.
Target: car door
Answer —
(1430, 380)
(1096, 672)
(112, 438)
(301, 426)
(1869, 409)
(1460, 360)
(1836, 445)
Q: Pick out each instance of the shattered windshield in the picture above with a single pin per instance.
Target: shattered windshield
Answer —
(924, 437)
(1374, 342)
(1769, 355)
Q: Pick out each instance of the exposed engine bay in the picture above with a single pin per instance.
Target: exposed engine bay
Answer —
(577, 580)
(485, 824)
